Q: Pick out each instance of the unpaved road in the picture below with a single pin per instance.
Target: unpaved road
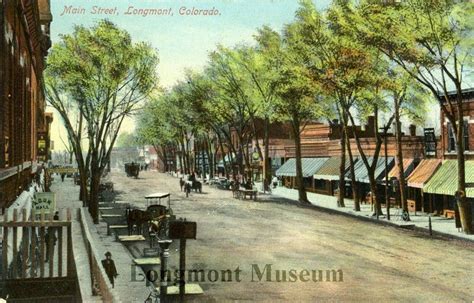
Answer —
(379, 264)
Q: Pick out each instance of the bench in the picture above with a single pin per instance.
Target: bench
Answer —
(111, 216)
(189, 289)
(243, 193)
(131, 238)
(111, 226)
(147, 261)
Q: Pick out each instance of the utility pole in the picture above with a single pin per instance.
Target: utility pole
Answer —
(387, 198)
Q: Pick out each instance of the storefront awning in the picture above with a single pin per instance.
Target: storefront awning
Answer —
(330, 169)
(309, 165)
(445, 179)
(408, 166)
(361, 173)
(423, 172)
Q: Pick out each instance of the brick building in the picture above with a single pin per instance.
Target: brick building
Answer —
(24, 125)
(447, 146)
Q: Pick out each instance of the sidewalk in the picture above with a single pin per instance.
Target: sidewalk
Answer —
(440, 225)
(67, 195)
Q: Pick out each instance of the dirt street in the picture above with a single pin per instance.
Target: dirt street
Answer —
(379, 264)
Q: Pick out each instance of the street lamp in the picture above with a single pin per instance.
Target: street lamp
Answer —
(387, 198)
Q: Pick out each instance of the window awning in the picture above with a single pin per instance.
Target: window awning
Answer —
(408, 166)
(361, 173)
(445, 179)
(309, 165)
(423, 172)
(330, 169)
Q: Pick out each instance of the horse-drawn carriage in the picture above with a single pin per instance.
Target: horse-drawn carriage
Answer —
(155, 219)
(188, 186)
(132, 169)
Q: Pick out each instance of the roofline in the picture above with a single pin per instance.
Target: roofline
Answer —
(466, 91)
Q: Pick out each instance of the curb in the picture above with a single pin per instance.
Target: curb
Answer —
(419, 230)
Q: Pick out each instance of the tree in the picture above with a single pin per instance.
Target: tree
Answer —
(102, 75)
(341, 69)
(296, 92)
(260, 67)
(126, 139)
(432, 41)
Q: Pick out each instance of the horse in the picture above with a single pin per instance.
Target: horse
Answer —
(197, 186)
(137, 217)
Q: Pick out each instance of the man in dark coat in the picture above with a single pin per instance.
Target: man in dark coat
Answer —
(109, 267)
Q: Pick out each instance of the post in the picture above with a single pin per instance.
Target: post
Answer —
(5, 246)
(182, 268)
(164, 245)
(15, 245)
(429, 226)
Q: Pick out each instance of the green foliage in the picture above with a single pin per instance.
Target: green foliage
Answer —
(126, 139)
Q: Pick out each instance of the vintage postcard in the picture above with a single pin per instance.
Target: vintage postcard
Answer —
(236, 151)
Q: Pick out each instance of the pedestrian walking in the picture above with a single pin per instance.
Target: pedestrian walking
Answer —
(109, 267)
(63, 175)
(275, 181)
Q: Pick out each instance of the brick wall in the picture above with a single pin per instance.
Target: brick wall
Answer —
(22, 103)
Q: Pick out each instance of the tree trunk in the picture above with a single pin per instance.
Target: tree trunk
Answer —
(302, 197)
(355, 187)
(342, 170)
(165, 159)
(210, 158)
(267, 173)
(94, 193)
(221, 145)
(401, 175)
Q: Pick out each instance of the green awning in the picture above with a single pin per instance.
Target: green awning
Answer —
(330, 168)
(445, 179)
(361, 173)
(309, 165)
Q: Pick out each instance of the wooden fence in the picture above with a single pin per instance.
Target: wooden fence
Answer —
(36, 247)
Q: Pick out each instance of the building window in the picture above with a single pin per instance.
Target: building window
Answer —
(466, 135)
(452, 137)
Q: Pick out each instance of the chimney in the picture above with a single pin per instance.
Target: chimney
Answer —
(370, 129)
(413, 130)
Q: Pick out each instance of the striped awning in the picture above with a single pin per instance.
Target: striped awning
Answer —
(330, 169)
(445, 179)
(408, 166)
(423, 172)
(309, 166)
(361, 173)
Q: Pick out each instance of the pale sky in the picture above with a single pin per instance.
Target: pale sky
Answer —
(182, 41)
